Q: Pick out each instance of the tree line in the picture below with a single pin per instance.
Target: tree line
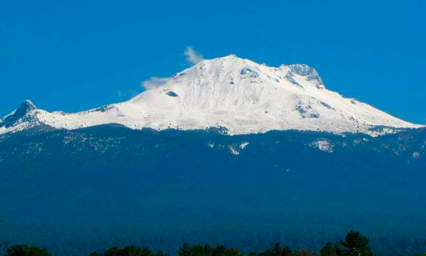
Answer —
(354, 244)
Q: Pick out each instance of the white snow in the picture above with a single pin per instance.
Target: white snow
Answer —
(244, 145)
(237, 94)
(323, 145)
(234, 150)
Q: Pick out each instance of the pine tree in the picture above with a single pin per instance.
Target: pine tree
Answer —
(185, 250)
(328, 250)
(356, 245)
(25, 250)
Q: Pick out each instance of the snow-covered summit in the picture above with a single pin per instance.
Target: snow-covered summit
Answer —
(229, 92)
(20, 118)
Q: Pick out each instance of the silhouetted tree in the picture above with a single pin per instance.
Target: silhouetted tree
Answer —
(25, 250)
(220, 251)
(286, 251)
(207, 250)
(330, 250)
(277, 251)
(303, 252)
(185, 250)
(234, 252)
(96, 254)
(199, 250)
(128, 251)
(160, 254)
(356, 245)
(114, 251)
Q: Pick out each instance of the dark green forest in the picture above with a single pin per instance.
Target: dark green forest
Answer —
(354, 244)
(75, 192)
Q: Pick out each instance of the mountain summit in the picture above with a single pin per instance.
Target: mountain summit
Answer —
(235, 94)
(19, 117)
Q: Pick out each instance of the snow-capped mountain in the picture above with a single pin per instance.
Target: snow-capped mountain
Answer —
(229, 92)
(146, 185)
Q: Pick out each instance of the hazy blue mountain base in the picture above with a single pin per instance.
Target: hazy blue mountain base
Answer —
(75, 192)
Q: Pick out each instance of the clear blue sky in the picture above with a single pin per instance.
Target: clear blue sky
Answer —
(75, 55)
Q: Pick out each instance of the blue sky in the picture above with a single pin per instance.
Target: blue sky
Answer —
(75, 55)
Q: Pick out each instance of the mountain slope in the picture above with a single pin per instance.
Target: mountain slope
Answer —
(236, 94)
(75, 192)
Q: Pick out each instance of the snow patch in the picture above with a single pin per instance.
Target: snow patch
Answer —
(234, 150)
(416, 155)
(244, 145)
(323, 145)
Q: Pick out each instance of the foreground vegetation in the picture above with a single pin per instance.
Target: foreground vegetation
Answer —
(355, 244)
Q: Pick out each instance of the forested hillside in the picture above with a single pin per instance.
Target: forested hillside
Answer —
(76, 192)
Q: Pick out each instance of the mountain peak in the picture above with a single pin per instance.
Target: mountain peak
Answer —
(26, 107)
(230, 59)
(230, 56)
(234, 64)
(19, 115)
